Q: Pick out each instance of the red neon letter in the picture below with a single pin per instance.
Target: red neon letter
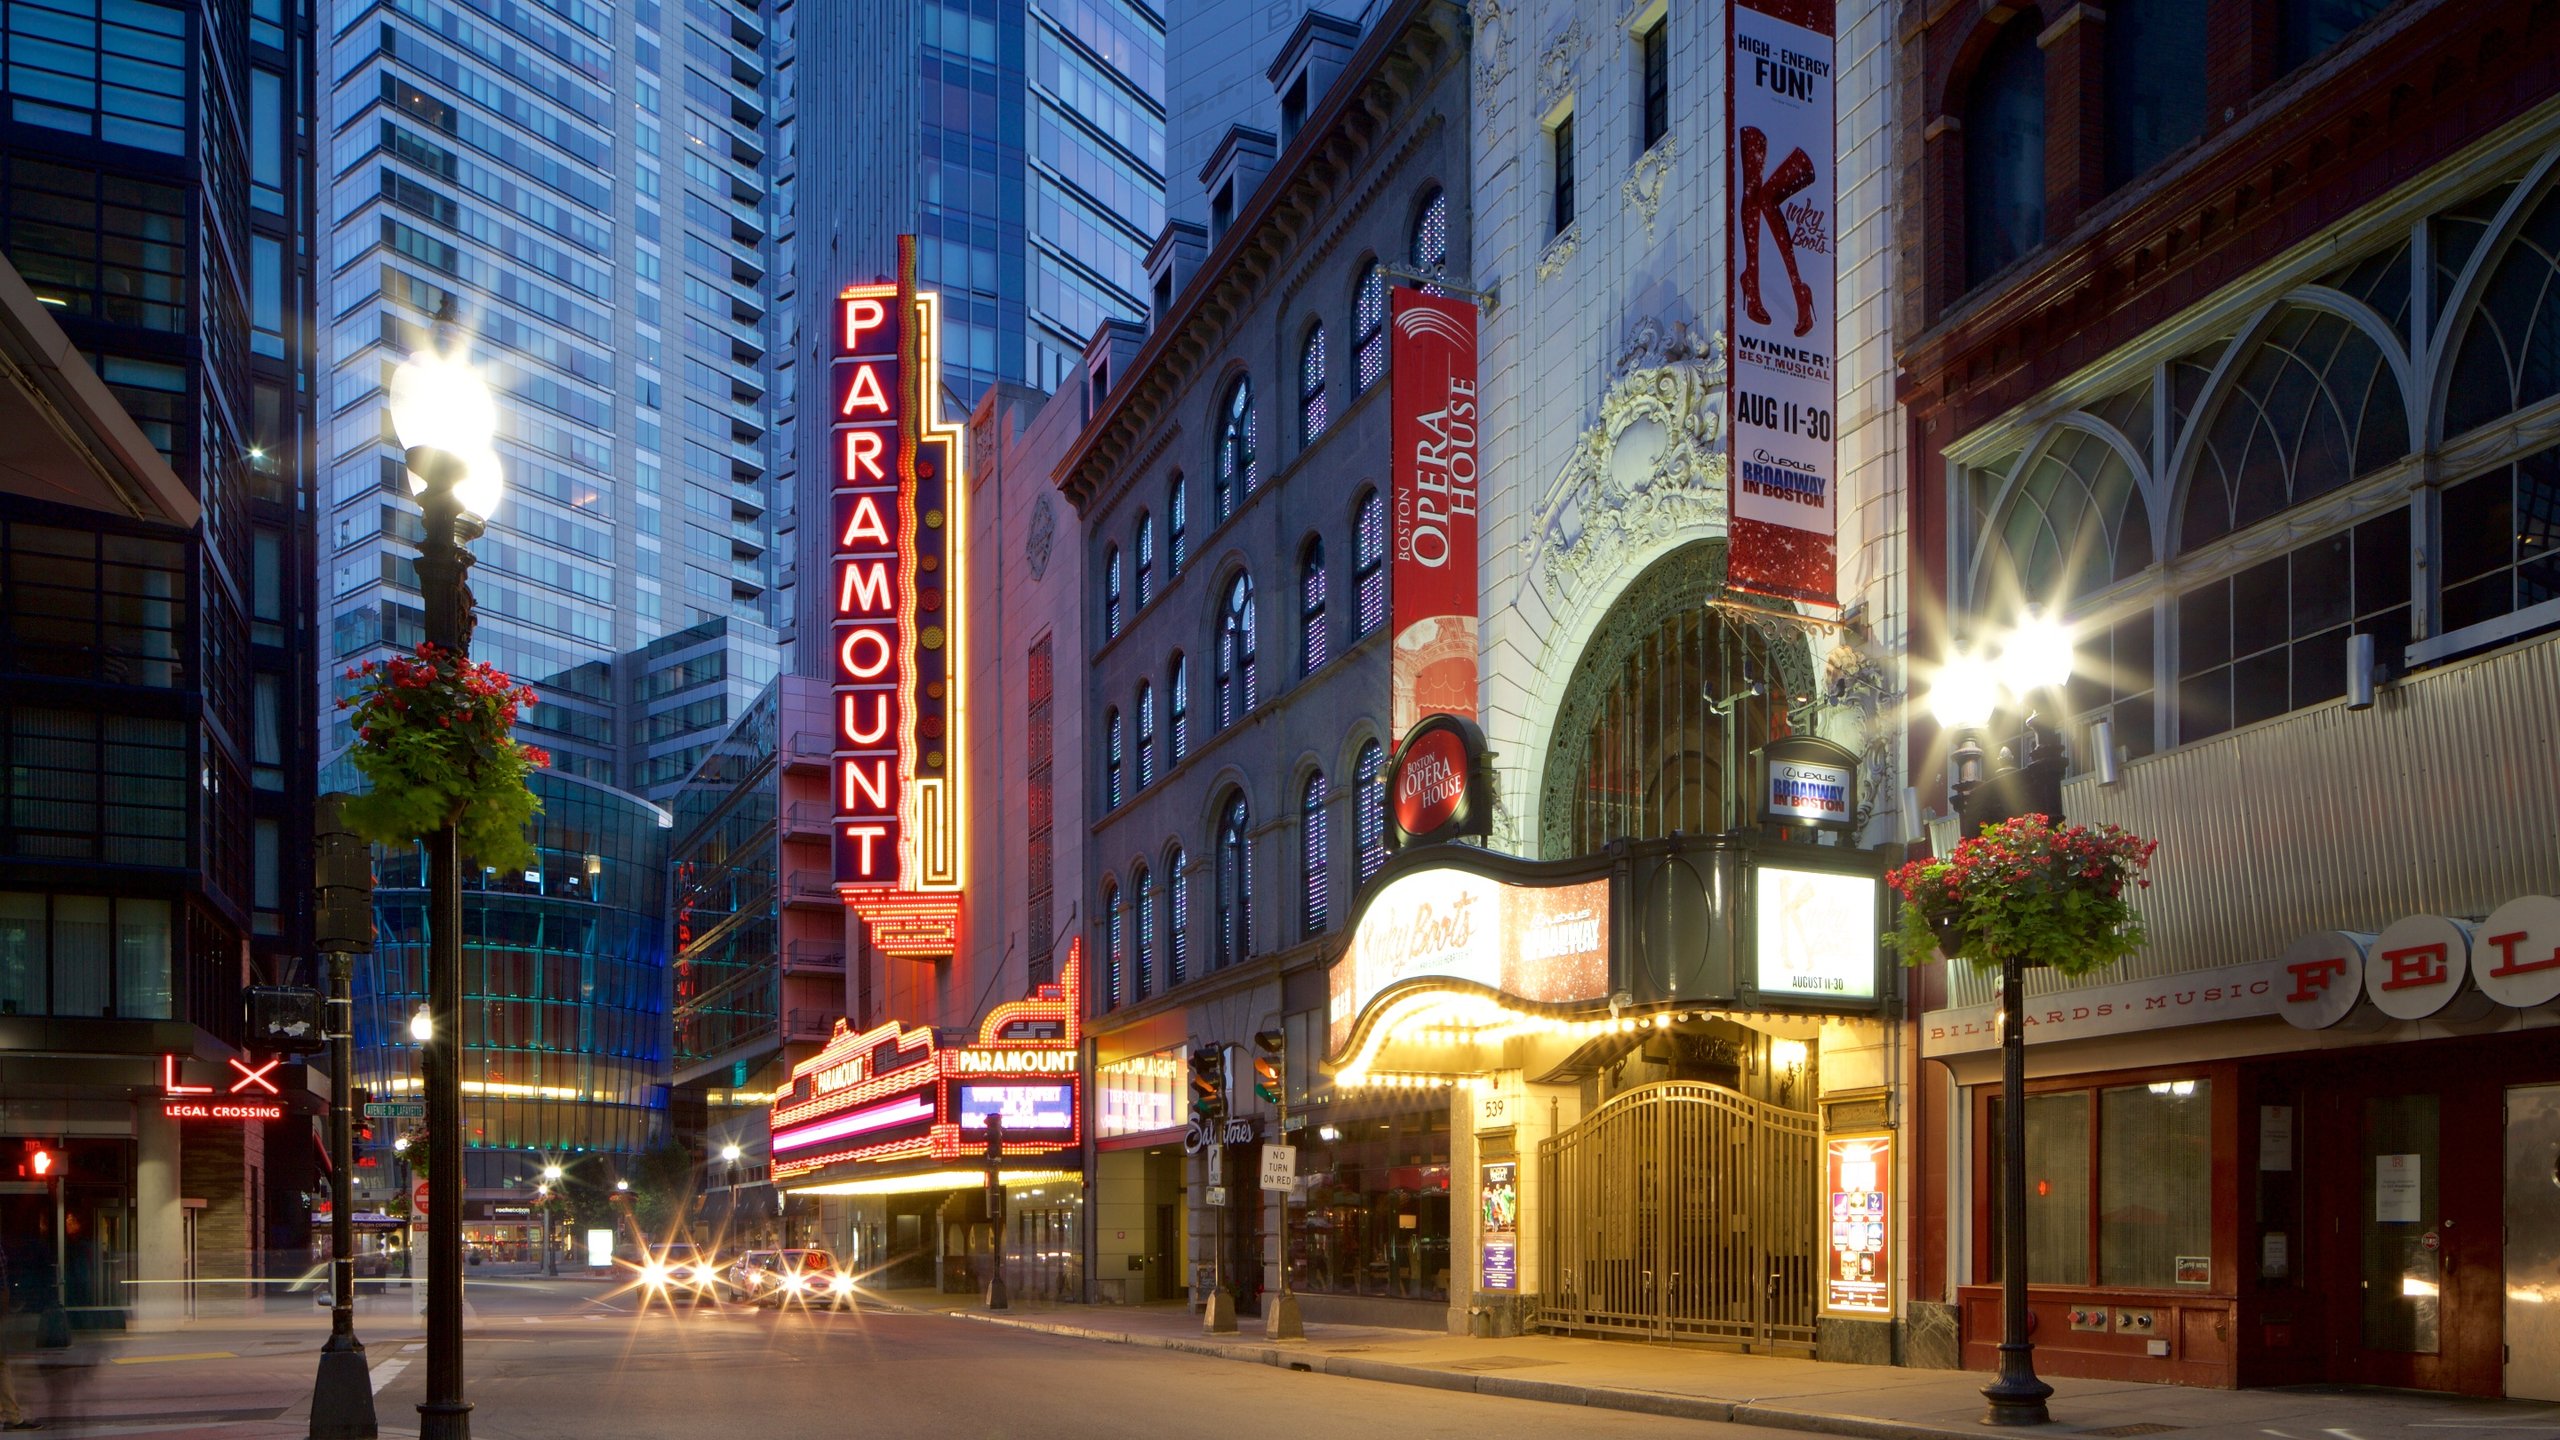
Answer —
(863, 524)
(850, 725)
(865, 392)
(169, 1079)
(862, 314)
(874, 786)
(258, 1077)
(866, 836)
(879, 649)
(862, 452)
(865, 590)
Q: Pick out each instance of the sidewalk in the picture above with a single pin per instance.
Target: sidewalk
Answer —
(1693, 1382)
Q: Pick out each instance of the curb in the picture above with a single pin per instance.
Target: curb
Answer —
(1550, 1392)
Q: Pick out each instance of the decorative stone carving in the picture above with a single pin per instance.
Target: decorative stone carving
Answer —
(1040, 536)
(1861, 709)
(1645, 183)
(1493, 22)
(1651, 466)
(1559, 250)
(1555, 64)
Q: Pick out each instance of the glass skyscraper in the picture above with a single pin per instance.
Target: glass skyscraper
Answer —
(1025, 153)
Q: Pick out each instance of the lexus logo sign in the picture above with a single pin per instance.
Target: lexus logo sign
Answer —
(1435, 784)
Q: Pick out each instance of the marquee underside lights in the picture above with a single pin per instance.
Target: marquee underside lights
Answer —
(896, 583)
(892, 1097)
(932, 1180)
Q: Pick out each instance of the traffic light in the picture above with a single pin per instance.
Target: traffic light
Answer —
(1208, 1083)
(357, 1098)
(40, 1162)
(1268, 1067)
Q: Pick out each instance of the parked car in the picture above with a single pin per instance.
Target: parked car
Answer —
(799, 1277)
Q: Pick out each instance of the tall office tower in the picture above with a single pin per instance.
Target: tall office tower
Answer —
(155, 623)
(1026, 156)
(586, 186)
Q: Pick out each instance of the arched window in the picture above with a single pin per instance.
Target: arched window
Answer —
(1234, 900)
(1368, 564)
(2313, 406)
(1235, 687)
(1146, 560)
(1312, 850)
(1177, 917)
(1369, 802)
(1111, 759)
(1111, 593)
(2154, 94)
(2074, 525)
(1142, 974)
(1236, 472)
(1177, 720)
(1177, 515)
(2003, 139)
(1368, 329)
(1146, 741)
(1313, 646)
(2510, 353)
(1431, 237)
(1114, 955)
(1311, 410)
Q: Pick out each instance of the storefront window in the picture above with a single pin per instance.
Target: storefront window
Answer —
(2126, 1201)
(1373, 1218)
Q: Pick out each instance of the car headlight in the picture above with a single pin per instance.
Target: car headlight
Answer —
(654, 1273)
(842, 1284)
(794, 1284)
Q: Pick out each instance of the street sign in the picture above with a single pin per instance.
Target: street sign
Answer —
(1217, 1196)
(418, 1201)
(395, 1109)
(1280, 1167)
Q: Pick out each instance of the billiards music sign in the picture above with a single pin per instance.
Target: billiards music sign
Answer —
(895, 588)
(890, 1094)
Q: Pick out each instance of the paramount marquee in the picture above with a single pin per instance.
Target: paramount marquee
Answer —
(896, 587)
(889, 1102)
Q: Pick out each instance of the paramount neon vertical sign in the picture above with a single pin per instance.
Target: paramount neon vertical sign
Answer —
(896, 588)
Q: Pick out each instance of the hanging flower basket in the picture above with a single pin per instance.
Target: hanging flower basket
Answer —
(435, 736)
(2048, 895)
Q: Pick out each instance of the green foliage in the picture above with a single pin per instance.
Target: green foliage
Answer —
(2047, 894)
(435, 739)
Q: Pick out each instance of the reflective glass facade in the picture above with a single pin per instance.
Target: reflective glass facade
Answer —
(725, 904)
(564, 985)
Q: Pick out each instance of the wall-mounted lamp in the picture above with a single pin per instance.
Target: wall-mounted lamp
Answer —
(2360, 672)
(2102, 747)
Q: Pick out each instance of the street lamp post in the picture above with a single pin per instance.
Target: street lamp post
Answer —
(549, 1187)
(342, 1395)
(730, 1154)
(2035, 658)
(445, 419)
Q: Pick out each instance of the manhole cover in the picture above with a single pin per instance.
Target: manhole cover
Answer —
(2143, 1429)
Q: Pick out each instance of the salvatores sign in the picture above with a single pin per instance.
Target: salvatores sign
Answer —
(1784, 469)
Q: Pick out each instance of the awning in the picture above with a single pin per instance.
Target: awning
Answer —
(63, 435)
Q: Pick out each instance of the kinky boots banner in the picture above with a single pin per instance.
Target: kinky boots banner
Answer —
(1784, 469)
(1433, 360)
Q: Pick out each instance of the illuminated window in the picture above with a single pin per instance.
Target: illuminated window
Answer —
(1235, 687)
(1313, 649)
(1146, 560)
(1311, 408)
(1234, 901)
(1111, 759)
(1369, 565)
(1431, 238)
(1177, 917)
(1311, 854)
(1114, 955)
(1369, 824)
(1176, 513)
(1111, 593)
(1368, 329)
(1236, 474)
(1146, 740)
(1177, 692)
(1142, 974)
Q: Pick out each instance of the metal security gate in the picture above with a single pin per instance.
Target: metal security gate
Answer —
(1682, 1211)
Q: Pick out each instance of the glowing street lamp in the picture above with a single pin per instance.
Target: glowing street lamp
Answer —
(448, 423)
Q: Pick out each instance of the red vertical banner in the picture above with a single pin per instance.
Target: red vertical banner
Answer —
(868, 581)
(1432, 356)
(1782, 341)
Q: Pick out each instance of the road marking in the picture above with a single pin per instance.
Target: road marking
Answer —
(386, 1372)
(413, 1349)
(533, 1319)
(167, 1359)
